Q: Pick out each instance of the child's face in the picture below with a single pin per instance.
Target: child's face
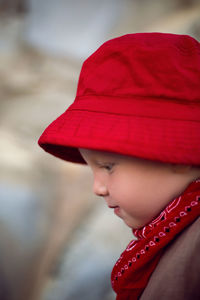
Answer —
(136, 189)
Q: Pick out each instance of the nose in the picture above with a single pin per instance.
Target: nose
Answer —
(99, 187)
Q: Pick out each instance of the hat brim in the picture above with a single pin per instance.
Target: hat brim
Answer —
(143, 137)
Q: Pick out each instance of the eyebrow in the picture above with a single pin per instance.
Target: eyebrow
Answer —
(105, 162)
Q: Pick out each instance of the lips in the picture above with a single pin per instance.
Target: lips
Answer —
(116, 209)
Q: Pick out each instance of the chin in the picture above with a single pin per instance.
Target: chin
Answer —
(134, 225)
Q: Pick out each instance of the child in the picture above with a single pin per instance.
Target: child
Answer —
(136, 122)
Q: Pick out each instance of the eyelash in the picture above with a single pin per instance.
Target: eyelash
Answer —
(108, 167)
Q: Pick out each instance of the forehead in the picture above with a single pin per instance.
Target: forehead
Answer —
(95, 155)
(100, 155)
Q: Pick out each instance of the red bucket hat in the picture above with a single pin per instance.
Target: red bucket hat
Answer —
(138, 95)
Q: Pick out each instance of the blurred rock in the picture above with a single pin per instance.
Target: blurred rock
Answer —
(71, 28)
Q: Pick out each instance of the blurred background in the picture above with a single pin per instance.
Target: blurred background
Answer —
(57, 240)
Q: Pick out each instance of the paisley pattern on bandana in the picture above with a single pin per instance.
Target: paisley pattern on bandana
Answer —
(142, 233)
(131, 272)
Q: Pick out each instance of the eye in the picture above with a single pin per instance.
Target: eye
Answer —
(108, 166)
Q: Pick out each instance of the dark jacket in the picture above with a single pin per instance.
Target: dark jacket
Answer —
(177, 275)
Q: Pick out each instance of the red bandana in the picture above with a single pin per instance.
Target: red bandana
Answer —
(133, 269)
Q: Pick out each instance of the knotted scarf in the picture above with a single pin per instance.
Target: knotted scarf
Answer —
(133, 269)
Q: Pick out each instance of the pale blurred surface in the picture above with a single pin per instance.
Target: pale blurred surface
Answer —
(57, 240)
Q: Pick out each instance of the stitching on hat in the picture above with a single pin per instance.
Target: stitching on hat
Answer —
(136, 115)
(148, 98)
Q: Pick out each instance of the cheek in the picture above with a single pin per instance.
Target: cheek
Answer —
(138, 191)
(131, 187)
(137, 199)
(127, 193)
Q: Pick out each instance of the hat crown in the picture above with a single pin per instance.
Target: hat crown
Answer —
(159, 65)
